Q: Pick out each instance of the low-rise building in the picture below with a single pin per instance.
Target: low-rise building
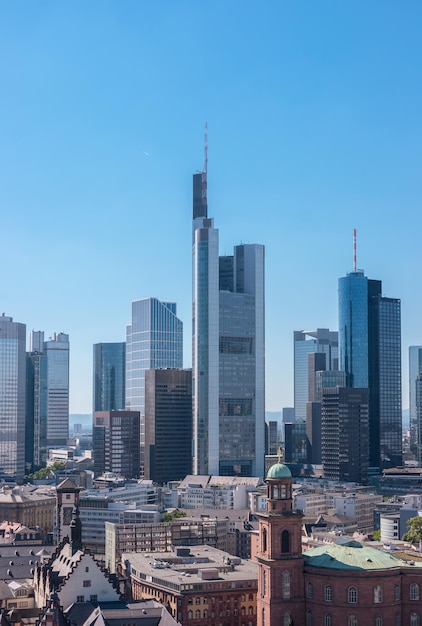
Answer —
(29, 505)
(199, 585)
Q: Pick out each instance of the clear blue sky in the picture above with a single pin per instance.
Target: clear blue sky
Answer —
(314, 112)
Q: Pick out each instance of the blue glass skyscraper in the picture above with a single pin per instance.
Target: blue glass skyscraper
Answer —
(370, 355)
(154, 340)
(109, 376)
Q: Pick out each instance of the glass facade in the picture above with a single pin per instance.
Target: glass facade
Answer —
(370, 354)
(109, 376)
(154, 340)
(57, 353)
(415, 369)
(228, 360)
(12, 396)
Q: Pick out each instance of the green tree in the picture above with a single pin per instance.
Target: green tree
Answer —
(47, 471)
(414, 530)
(376, 535)
(169, 517)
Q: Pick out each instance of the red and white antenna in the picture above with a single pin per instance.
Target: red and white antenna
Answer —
(354, 249)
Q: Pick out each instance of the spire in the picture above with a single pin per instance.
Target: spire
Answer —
(354, 250)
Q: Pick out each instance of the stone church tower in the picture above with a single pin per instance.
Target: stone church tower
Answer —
(280, 598)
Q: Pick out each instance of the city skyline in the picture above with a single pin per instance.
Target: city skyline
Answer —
(314, 130)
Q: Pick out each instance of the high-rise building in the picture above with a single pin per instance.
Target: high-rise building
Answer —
(47, 396)
(115, 442)
(109, 376)
(370, 354)
(168, 424)
(154, 340)
(322, 341)
(344, 434)
(12, 396)
(56, 350)
(228, 350)
(415, 369)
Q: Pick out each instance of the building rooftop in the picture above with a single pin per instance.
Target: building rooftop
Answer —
(189, 566)
(279, 470)
(351, 555)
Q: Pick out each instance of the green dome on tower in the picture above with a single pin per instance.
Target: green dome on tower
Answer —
(278, 470)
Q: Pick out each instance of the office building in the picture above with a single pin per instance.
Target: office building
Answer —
(272, 437)
(115, 440)
(56, 350)
(415, 369)
(154, 339)
(322, 341)
(418, 400)
(109, 376)
(228, 350)
(168, 424)
(370, 354)
(12, 396)
(344, 434)
(296, 445)
(47, 396)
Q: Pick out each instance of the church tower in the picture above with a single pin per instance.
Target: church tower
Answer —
(280, 598)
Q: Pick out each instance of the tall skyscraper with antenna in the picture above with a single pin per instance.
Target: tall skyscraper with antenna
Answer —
(228, 348)
(370, 354)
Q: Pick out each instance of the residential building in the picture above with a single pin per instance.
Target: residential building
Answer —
(12, 396)
(154, 340)
(344, 434)
(168, 424)
(109, 373)
(29, 505)
(116, 444)
(228, 350)
(198, 584)
(370, 354)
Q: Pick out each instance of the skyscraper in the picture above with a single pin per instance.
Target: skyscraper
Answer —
(370, 355)
(109, 376)
(12, 396)
(168, 424)
(228, 349)
(321, 341)
(56, 350)
(415, 369)
(154, 339)
(115, 441)
(47, 396)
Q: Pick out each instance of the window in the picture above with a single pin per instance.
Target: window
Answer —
(243, 611)
(80, 598)
(250, 597)
(353, 621)
(264, 540)
(285, 541)
(190, 601)
(263, 617)
(397, 592)
(87, 569)
(378, 620)
(197, 600)
(398, 620)
(309, 591)
(285, 582)
(190, 614)
(377, 594)
(328, 621)
(414, 619)
(352, 595)
(250, 610)
(414, 591)
(264, 582)
(197, 614)
(93, 598)
(205, 614)
(286, 618)
(328, 593)
(308, 618)
(86, 583)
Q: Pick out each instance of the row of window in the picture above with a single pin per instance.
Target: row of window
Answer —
(352, 593)
(351, 621)
(205, 613)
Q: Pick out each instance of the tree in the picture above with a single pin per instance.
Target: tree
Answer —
(414, 530)
(42, 473)
(169, 517)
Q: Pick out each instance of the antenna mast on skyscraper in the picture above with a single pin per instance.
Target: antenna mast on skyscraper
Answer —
(205, 170)
(354, 249)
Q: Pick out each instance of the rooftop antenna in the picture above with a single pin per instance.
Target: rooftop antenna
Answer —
(205, 170)
(354, 249)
